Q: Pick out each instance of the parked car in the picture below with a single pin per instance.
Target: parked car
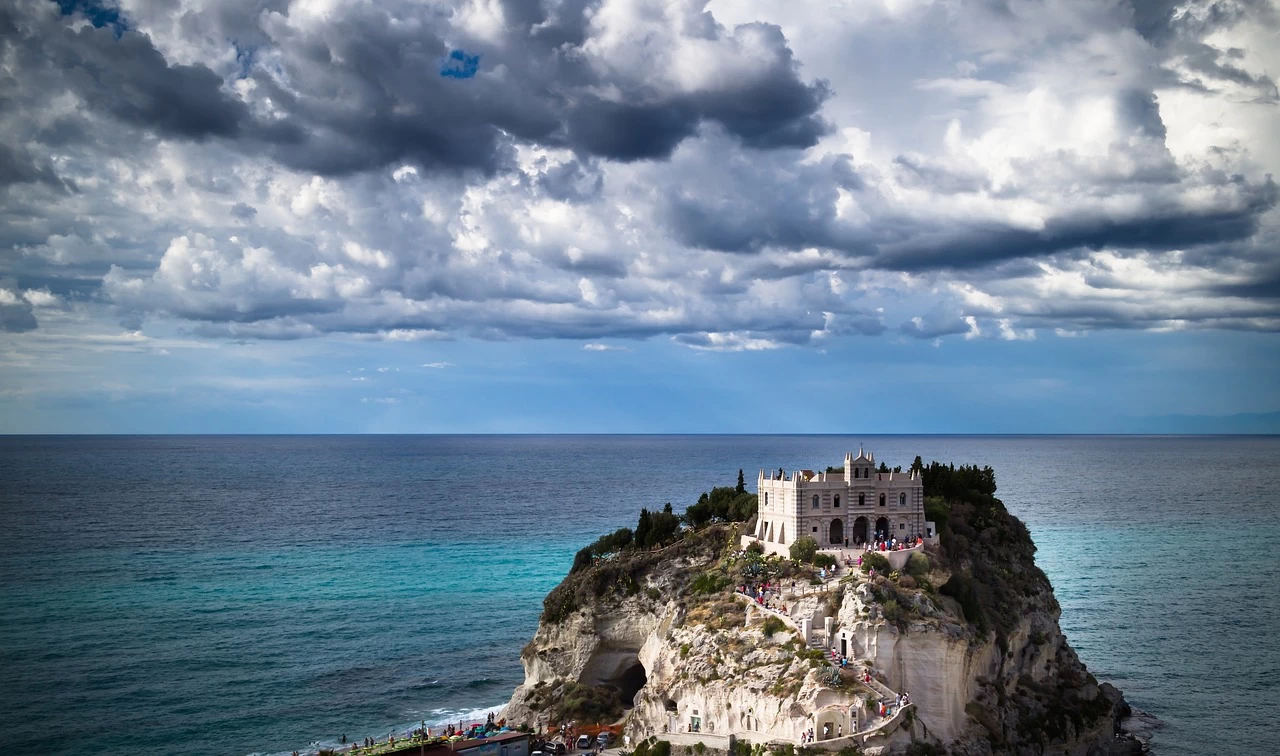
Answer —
(554, 748)
(604, 738)
(585, 742)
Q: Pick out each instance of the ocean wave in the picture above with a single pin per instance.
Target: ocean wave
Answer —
(438, 717)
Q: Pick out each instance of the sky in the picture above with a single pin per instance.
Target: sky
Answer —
(598, 216)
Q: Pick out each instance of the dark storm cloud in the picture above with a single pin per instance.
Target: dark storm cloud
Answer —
(20, 167)
(1180, 29)
(119, 72)
(762, 203)
(675, 194)
(1161, 227)
(361, 92)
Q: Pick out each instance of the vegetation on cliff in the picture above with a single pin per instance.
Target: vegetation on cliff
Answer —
(661, 527)
(989, 551)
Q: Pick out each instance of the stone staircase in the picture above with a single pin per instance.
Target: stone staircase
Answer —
(874, 726)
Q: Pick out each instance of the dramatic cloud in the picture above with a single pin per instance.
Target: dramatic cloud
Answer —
(730, 176)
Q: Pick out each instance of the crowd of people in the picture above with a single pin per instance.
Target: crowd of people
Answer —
(886, 543)
(767, 594)
(424, 734)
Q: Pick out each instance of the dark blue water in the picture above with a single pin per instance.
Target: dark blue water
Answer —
(233, 595)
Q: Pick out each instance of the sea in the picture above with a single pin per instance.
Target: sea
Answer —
(265, 594)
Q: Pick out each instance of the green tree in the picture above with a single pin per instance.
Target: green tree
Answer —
(918, 465)
(883, 468)
(643, 528)
(582, 559)
(875, 560)
(803, 549)
(742, 483)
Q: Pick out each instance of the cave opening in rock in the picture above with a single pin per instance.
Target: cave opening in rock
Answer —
(630, 682)
(619, 669)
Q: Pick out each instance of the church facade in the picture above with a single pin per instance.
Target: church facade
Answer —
(839, 509)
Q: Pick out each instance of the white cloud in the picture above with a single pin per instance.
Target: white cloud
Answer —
(597, 347)
(1041, 168)
(1009, 333)
(438, 365)
(41, 298)
(727, 342)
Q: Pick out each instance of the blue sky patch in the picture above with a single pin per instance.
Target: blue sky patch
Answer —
(98, 14)
(459, 65)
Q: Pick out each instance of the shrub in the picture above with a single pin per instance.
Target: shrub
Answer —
(893, 612)
(824, 560)
(772, 625)
(723, 504)
(917, 565)
(874, 559)
(755, 547)
(661, 748)
(906, 581)
(963, 591)
(709, 582)
(803, 549)
(699, 748)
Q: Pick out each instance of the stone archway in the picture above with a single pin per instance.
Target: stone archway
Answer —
(835, 535)
(882, 527)
(860, 530)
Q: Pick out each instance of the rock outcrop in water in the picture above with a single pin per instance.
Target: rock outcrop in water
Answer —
(986, 665)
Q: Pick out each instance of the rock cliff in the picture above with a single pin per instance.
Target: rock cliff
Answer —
(659, 639)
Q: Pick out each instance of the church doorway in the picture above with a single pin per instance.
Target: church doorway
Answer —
(836, 536)
(882, 527)
(860, 530)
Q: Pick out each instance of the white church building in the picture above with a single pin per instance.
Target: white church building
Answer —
(839, 509)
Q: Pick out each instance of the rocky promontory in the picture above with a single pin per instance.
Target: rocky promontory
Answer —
(678, 632)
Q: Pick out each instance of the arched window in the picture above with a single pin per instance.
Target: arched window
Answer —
(856, 472)
(815, 501)
(882, 500)
(766, 498)
(862, 500)
(902, 499)
(837, 501)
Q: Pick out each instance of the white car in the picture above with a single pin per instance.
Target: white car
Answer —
(585, 742)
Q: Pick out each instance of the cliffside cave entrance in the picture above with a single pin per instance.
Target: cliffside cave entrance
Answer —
(836, 534)
(619, 669)
(629, 684)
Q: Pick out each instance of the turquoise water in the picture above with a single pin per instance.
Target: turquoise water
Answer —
(254, 595)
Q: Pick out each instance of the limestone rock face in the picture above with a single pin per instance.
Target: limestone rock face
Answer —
(1018, 689)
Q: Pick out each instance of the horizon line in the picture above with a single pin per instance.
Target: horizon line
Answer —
(650, 433)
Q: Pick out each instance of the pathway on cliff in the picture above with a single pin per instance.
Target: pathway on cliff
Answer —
(818, 641)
